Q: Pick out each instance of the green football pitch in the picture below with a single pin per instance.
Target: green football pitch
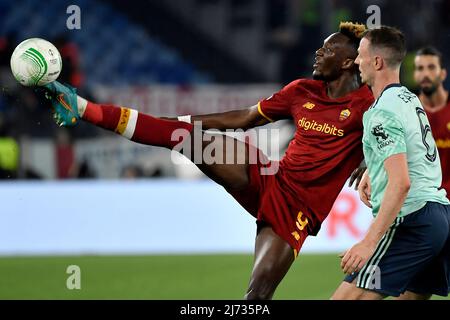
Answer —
(160, 277)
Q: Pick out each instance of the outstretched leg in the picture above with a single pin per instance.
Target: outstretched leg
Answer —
(230, 156)
(273, 258)
(217, 164)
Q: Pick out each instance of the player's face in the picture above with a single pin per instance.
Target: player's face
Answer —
(329, 58)
(364, 61)
(428, 73)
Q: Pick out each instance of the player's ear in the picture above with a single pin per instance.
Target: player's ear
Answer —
(443, 74)
(348, 64)
(378, 62)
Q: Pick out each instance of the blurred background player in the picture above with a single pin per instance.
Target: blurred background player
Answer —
(290, 198)
(429, 75)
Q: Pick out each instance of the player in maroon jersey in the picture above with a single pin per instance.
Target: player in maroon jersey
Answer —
(289, 203)
(429, 74)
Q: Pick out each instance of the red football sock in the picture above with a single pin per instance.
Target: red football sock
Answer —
(134, 125)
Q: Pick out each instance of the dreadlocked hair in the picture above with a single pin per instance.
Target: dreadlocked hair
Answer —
(353, 31)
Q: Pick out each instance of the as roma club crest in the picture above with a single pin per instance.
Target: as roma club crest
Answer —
(344, 114)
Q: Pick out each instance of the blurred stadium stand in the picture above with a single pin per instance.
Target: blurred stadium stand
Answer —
(195, 43)
(115, 50)
(202, 41)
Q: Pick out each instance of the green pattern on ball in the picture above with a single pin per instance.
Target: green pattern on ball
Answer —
(39, 66)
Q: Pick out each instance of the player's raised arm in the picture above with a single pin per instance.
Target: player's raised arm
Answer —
(69, 108)
(276, 107)
(236, 119)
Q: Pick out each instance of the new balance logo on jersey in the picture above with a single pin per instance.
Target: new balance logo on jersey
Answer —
(381, 136)
(309, 105)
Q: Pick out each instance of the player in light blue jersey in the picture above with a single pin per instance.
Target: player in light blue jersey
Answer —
(406, 252)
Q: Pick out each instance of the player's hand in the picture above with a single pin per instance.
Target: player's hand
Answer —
(364, 189)
(356, 176)
(357, 256)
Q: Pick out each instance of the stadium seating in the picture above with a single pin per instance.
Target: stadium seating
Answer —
(121, 54)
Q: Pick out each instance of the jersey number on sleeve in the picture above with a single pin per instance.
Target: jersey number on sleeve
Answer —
(427, 137)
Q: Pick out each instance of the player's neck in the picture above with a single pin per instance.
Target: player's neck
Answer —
(383, 80)
(436, 101)
(342, 86)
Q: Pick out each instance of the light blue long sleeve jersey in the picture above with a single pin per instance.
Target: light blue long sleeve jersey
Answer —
(397, 123)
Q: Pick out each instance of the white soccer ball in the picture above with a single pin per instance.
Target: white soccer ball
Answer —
(36, 62)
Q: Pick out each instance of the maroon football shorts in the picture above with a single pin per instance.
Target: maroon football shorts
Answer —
(266, 198)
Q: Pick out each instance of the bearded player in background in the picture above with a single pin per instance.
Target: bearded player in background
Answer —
(292, 202)
(429, 74)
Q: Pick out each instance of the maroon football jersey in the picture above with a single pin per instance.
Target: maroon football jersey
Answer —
(440, 126)
(327, 145)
